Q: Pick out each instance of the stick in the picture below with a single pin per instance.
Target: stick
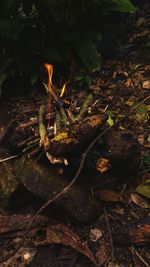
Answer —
(7, 131)
(140, 257)
(84, 107)
(110, 235)
(34, 122)
(9, 158)
(64, 117)
(44, 140)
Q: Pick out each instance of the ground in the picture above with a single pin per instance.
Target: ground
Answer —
(120, 236)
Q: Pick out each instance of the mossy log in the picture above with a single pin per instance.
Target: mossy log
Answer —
(8, 181)
(75, 138)
(45, 183)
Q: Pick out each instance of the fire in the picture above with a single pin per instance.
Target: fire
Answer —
(49, 68)
(50, 89)
(63, 89)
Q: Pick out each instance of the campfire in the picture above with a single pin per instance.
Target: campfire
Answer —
(62, 127)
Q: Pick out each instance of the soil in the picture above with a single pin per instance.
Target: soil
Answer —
(121, 84)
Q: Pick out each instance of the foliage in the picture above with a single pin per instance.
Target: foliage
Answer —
(32, 32)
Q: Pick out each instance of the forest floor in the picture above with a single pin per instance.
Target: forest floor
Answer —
(120, 236)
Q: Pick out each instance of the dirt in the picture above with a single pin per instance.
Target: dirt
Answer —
(117, 88)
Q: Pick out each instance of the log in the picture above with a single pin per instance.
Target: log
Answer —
(71, 140)
(121, 152)
(8, 181)
(45, 183)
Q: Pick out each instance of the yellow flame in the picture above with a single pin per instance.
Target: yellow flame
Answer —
(49, 68)
(63, 90)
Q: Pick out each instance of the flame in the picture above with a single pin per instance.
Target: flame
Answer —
(63, 89)
(49, 68)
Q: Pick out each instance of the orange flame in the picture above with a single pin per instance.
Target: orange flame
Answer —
(63, 89)
(49, 68)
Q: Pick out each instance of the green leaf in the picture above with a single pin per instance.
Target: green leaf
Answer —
(143, 109)
(110, 121)
(110, 113)
(144, 189)
(87, 51)
(124, 6)
(146, 160)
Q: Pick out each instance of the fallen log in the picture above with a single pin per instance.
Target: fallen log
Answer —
(45, 183)
(71, 140)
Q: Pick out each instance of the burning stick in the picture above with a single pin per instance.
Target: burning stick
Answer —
(50, 88)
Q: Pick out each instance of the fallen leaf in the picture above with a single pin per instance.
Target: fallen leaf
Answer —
(130, 102)
(102, 165)
(144, 189)
(139, 201)
(146, 85)
(109, 195)
(110, 121)
(60, 234)
(135, 236)
(95, 234)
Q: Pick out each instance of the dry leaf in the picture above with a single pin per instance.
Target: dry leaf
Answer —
(109, 195)
(60, 234)
(95, 234)
(144, 189)
(146, 85)
(102, 165)
(140, 201)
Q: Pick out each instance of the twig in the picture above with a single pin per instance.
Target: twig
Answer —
(66, 189)
(64, 117)
(9, 158)
(140, 257)
(34, 122)
(84, 107)
(110, 234)
(7, 131)
(44, 140)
